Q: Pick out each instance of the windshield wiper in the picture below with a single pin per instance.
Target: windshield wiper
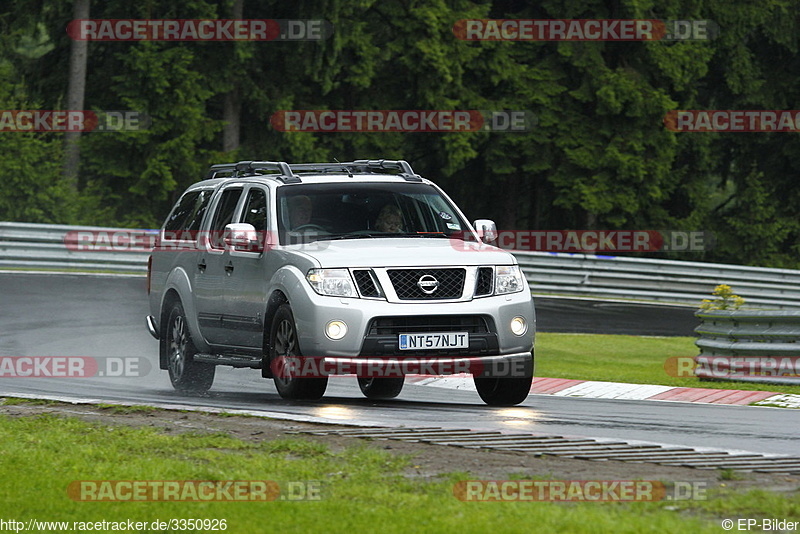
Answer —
(335, 237)
(420, 234)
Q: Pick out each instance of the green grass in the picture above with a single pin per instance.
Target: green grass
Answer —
(730, 474)
(632, 359)
(11, 401)
(232, 414)
(361, 489)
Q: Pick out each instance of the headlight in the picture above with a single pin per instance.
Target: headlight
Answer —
(508, 279)
(331, 282)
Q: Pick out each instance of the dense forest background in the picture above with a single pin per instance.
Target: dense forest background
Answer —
(599, 157)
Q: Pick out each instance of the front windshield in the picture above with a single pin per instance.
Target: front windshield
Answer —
(308, 212)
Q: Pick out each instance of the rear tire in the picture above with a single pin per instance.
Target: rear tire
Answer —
(283, 343)
(503, 391)
(381, 388)
(185, 374)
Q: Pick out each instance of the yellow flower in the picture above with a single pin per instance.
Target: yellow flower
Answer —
(725, 299)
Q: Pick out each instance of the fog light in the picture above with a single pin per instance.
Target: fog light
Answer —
(518, 326)
(336, 330)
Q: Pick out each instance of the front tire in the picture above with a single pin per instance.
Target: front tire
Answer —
(503, 391)
(185, 374)
(283, 345)
(381, 388)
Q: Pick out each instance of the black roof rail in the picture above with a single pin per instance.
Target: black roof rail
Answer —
(322, 167)
(400, 164)
(285, 172)
(249, 168)
(360, 165)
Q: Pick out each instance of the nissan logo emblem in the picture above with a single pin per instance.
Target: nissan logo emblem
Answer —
(428, 284)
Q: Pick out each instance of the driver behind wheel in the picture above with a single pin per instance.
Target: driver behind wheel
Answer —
(389, 219)
(300, 209)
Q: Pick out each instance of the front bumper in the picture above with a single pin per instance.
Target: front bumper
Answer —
(312, 312)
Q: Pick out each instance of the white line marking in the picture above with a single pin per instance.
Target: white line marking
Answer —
(785, 400)
(612, 390)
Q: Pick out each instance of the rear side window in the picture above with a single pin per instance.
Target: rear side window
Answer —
(182, 212)
(184, 221)
(201, 207)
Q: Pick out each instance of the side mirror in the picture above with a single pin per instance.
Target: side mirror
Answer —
(486, 229)
(242, 237)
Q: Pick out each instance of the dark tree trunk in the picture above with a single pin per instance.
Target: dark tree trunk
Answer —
(232, 110)
(76, 91)
(511, 195)
(232, 107)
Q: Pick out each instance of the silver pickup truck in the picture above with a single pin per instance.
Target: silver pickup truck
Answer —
(310, 270)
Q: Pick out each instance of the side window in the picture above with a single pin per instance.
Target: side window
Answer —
(176, 222)
(223, 216)
(255, 209)
(184, 221)
(202, 206)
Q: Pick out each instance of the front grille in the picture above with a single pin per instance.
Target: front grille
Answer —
(405, 282)
(366, 284)
(389, 326)
(485, 282)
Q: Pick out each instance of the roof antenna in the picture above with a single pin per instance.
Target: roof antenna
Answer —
(349, 171)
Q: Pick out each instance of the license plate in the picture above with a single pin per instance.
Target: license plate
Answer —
(434, 340)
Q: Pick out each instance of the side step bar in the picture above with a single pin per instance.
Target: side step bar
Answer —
(253, 362)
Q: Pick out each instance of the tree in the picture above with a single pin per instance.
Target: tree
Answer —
(232, 109)
(599, 155)
(31, 186)
(76, 90)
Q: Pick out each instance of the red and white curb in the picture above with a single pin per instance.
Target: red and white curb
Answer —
(564, 387)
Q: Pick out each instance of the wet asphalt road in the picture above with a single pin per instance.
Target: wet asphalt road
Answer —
(64, 315)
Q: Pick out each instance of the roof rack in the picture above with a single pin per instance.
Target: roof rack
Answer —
(400, 164)
(249, 168)
(285, 172)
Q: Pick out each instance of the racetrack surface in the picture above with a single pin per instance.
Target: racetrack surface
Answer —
(605, 317)
(70, 315)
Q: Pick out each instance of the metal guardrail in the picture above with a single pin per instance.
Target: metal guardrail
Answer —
(28, 245)
(46, 246)
(683, 282)
(749, 346)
